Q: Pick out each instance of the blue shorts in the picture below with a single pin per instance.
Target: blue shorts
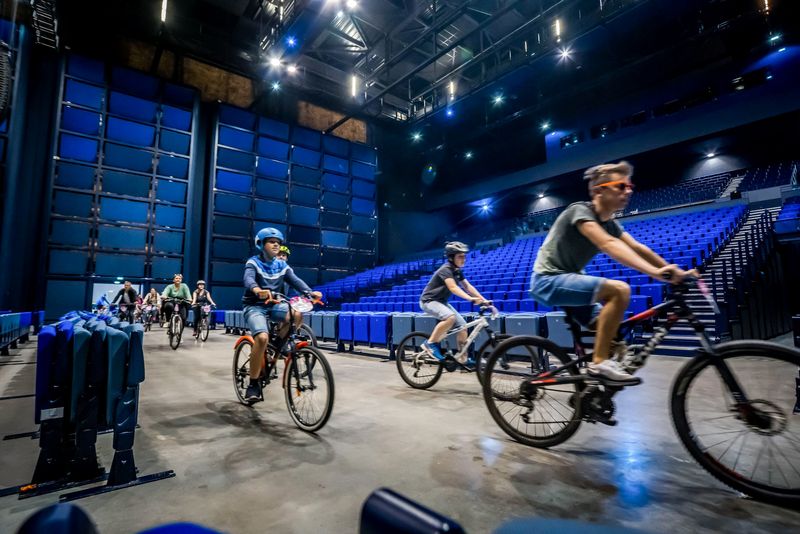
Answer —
(442, 311)
(257, 315)
(570, 290)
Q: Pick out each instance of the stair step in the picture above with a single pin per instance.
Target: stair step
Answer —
(675, 350)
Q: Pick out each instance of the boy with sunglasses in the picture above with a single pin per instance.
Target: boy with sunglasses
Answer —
(577, 235)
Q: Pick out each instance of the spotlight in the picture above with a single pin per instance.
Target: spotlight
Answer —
(545, 126)
(468, 155)
(565, 53)
(485, 208)
(541, 195)
(339, 14)
(352, 4)
(274, 62)
(291, 41)
(449, 112)
(276, 86)
(498, 99)
(710, 154)
(416, 136)
(291, 69)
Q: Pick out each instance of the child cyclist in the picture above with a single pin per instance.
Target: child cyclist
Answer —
(263, 275)
(448, 280)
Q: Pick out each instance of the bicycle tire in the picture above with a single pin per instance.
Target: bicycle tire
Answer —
(241, 370)
(401, 359)
(176, 331)
(690, 439)
(485, 350)
(294, 389)
(307, 331)
(204, 328)
(535, 344)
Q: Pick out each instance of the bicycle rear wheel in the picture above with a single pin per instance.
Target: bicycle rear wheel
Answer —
(752, 446)
(204, 327)
(309, 389)
(540, 416)
(417, 367)
(176, 331)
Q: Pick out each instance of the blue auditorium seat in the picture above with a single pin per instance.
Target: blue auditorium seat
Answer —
(361, 327)
(346, 326)
(654, 291)
(380, 327)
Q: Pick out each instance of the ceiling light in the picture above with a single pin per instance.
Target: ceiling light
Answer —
(565, 53)
(274, 62)
(352, 4)
(485, 208)
(710, 154)
(276, 86)
(498, 99)
(291, 41)
(545, 126)
(541, 195)
(291, 69)
(163, 10)
(353, 85)
(449, 112)
(416, 136)
(781, 49)
(468, 155)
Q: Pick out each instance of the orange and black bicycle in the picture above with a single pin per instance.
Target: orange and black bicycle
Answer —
(307, 378)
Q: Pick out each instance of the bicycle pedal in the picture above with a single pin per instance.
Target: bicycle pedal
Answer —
(449, 364)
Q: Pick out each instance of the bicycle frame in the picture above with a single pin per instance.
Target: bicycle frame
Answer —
(675, 309)
(480, 324)
(267, 365)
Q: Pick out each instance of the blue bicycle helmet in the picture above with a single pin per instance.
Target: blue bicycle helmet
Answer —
(267, 233)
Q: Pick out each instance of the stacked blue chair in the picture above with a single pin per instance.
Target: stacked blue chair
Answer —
(87, 380)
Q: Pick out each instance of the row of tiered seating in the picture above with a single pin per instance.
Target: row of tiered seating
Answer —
(788, 221)
(15, 327)
(685, 192)
(372, 279)
(768, 176)
(503, 274)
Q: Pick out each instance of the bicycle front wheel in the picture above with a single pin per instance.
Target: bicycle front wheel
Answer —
(241, 369)
(417, 367)
(176, 330)
(309, 389)
(539, 416)
(309, 333)
(204, 327)
(750, 443)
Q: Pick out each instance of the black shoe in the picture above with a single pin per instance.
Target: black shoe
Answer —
(253, 393)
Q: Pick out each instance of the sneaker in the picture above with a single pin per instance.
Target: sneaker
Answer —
(612, 370)
(434, 349)
(253, 393)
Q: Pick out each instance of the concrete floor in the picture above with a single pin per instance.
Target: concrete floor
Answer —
(247, 470)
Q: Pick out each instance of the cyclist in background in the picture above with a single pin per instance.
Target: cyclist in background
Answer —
(200, 297)
(176, 290)
(446, 281)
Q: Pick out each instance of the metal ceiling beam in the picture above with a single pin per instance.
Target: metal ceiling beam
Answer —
(505, 9)
(438, 26)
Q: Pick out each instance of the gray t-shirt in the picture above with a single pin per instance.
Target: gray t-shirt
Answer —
(436, 288)
(566, 250)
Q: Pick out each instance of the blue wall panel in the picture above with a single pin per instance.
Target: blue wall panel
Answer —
(126, 128)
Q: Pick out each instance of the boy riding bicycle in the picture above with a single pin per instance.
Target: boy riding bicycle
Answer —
(578, 234)
(434, 300)
(264, 274)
